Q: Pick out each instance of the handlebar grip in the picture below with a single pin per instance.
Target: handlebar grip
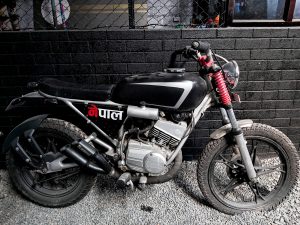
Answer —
(203, 47)
(32, 85)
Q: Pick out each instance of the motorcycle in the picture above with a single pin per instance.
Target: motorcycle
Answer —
(134, 131)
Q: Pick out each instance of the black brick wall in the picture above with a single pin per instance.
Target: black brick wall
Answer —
(269, 61)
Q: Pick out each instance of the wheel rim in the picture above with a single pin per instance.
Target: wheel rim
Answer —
(57, 184)
(228, 178)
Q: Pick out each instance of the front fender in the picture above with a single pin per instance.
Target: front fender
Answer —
(29, 124)
(222, 131)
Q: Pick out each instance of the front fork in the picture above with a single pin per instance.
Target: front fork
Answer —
(229, 117)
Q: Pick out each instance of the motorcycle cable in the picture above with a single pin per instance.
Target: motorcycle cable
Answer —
(218, 62)
(134, 130)
(192, 124)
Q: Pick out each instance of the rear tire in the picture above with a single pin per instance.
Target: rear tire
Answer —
(51, 193)
(231, 197)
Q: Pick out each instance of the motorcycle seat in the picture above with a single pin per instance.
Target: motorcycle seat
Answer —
(58, 88)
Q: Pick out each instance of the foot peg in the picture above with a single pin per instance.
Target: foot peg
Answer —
(125, 180)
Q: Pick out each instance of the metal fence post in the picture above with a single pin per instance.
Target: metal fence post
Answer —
(131, 14)
(54, 15)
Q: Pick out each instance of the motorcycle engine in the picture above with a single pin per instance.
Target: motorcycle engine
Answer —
(151, 157)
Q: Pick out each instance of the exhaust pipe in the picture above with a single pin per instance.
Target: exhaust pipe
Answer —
(92, 152)
(80, 160)
(102, 166)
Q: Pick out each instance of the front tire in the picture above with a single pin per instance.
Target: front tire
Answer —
(223, 179)
(56, 189)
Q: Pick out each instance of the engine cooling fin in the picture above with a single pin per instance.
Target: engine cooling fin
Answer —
(163, 138)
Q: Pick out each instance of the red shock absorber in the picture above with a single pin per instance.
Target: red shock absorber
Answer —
(223, 91)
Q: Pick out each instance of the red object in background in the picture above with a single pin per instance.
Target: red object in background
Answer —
(210, 23)
(217, 21)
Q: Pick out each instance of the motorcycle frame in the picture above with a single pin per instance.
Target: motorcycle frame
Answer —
(206, 103)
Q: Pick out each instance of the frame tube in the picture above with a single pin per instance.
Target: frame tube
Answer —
(68, 103)
(205, 104)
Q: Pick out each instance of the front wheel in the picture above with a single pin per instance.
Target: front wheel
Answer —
(223, 179)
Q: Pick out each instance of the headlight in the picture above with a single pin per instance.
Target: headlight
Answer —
(232, 73)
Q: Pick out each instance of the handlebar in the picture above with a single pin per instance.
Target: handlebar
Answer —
(205, 59)
(202, 47)
(195, 48)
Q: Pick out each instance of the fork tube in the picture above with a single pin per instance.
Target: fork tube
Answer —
(239, 138)
(225, 119)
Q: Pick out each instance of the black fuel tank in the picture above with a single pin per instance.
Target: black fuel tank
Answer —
(169, 91)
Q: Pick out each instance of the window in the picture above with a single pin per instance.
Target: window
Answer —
(297, 10)
(259, 9)
(264, 12)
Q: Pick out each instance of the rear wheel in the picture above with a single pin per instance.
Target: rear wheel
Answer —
(55, 189)
(223, 179)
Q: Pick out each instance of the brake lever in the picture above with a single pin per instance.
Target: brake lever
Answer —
(188, 53)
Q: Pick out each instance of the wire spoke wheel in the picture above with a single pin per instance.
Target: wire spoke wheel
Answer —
(228, 177)
(54, 189)
(223, 178)
(50, 184)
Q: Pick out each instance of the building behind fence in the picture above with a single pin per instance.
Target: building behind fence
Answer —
(107, 14)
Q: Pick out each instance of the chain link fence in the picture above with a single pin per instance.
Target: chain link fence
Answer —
(108, 14)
